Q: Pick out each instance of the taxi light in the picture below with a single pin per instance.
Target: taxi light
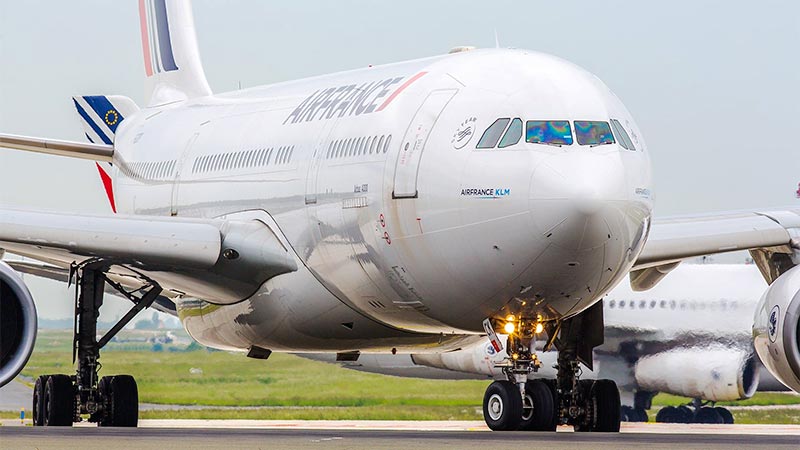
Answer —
(509, 327)
(510, 318)
(539, 328)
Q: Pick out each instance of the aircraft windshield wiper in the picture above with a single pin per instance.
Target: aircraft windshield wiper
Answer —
(554, 144)
(600, 143)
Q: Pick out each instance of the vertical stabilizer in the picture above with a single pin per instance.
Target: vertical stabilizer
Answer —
(171, 57)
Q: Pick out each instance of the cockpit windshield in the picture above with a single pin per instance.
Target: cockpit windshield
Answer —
(551, 132)
(593, 132)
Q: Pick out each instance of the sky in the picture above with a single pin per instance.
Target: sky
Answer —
(714, 85)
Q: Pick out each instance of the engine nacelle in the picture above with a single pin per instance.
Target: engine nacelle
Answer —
(18, 324)
(776, 329)
(710, 373)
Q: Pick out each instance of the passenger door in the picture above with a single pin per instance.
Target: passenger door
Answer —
(413, 144)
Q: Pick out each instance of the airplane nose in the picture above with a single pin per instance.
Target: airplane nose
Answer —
(578, 200)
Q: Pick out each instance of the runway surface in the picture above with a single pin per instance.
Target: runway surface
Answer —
(415, 435)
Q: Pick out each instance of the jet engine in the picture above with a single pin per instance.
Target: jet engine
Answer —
(710, 373)
(17, 324)
(776, 328)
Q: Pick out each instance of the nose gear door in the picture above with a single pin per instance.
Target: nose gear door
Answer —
(407, 166)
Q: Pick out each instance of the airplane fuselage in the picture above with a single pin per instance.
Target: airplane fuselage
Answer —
(407, 232)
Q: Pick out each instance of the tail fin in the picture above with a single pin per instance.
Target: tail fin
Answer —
(101, 115)
(171, 58)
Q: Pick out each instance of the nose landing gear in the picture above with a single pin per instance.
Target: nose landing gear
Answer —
(541, 405)
(60, 400)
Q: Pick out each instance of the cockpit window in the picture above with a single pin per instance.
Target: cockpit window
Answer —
(593, 132)
(550, 132)
(622, 135)
(513, 134)
(493, 133)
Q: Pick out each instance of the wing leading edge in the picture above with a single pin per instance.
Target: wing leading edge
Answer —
(219, 260)
(773, 238)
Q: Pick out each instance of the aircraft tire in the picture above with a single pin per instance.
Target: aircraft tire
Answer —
(684, 414)
(542, 414)
(103, 388)
(123, 395)
(38, 400)
(59, 401)
(708, 415)
(641, 415)
(502, 406)
(606, 398)
(727, 417)
(666, 414)
(631, 414)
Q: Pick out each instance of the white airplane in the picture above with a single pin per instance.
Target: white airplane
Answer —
(414, 206)
(689, 336)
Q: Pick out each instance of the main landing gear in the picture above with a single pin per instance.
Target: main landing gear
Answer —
(696, 412)
(60, 400)
(541, 405)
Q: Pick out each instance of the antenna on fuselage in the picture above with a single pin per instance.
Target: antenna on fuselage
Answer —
(496, 39)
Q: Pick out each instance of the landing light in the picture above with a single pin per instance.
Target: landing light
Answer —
(509, 327)
(539, 328)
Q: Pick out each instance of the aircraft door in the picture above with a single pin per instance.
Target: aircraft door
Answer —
(407, 166)
(321, 146)
(178, 169)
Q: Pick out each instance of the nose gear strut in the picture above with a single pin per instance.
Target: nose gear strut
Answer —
(538, 404)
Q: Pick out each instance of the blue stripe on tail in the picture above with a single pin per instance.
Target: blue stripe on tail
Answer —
(91, 123)
(164, 42)
(105, 110)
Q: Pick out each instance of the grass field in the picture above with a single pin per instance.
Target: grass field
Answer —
(302, 389)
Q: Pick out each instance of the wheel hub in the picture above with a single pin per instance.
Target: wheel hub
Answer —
(495, 407)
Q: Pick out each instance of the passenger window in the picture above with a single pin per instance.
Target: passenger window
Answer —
(380, 145)
(386, 145)
(374, 143)
(622, 135)
(550, 132)
(593, 133)
(368, 146)
(493, 133)
(513, 134)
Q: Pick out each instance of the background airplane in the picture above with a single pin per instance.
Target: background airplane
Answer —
(339, 236)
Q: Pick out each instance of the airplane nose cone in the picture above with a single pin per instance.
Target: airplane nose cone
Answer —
(578, 199)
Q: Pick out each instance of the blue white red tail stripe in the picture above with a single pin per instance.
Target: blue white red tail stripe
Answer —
(156, 39)
(101, 117)
(94, 133)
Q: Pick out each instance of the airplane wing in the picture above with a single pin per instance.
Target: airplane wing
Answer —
(773, 239)
(94, 152)
(218, 260)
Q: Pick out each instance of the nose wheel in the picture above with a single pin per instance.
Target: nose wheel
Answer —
(542, 405)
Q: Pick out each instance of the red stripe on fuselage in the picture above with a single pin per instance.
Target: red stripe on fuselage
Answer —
(400, 89)
(148, 65)
(108, 186)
